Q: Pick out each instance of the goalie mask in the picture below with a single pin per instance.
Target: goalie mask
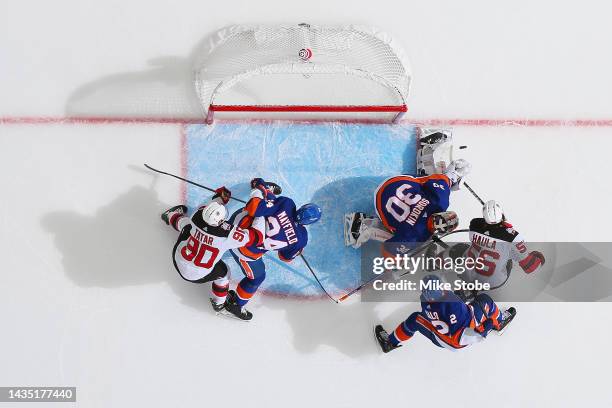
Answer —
(443, 222)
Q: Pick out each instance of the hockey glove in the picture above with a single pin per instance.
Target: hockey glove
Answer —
(532, 262)
(258, 181)
(223, 193)
(456, 171)
(538, 255)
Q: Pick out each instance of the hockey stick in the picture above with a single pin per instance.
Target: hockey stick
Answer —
(437, 240)
(317, 279)
(244, 202)
(190, 182)
(476, 301)
(422, 247)
(473, 193)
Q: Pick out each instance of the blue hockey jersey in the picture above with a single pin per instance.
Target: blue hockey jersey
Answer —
(283, 233)
(449, 316)
(404, 204)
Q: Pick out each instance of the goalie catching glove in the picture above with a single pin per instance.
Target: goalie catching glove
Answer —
(456, 171)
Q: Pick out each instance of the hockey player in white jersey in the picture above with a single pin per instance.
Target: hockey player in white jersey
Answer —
(496, 245)
(203, 240)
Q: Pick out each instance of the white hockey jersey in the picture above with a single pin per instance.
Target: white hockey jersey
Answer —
(495, 247)
(200, 246)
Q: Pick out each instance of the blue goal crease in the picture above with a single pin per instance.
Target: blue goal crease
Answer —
(335, 165)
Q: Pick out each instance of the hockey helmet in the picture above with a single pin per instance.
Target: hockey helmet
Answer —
(492, 212)
(308, 214)
(431, 288)
(214, 214)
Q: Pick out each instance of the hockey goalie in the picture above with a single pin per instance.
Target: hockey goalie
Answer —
(409, 208)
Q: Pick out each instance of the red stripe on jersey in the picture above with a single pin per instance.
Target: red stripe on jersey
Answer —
(175, 219)
(222, 293)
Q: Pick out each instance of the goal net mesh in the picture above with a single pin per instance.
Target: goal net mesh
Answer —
(302, 68)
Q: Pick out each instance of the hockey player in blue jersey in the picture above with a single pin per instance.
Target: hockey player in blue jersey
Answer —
(285, 233)
(446, 320)
(409, 209)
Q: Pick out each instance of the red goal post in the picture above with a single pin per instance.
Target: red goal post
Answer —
(303, 72)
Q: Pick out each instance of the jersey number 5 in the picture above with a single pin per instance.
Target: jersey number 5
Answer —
(202, 255)
(402, 202)
(487, 261)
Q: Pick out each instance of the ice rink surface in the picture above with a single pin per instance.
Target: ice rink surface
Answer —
(88, 294)
(313, 163)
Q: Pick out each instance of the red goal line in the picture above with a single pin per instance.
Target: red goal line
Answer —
(92, 120)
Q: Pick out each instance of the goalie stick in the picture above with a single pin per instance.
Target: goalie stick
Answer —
(471, 190)
(422, 247)
(244, 202)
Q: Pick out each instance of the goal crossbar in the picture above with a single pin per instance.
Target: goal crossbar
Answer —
(307, 69)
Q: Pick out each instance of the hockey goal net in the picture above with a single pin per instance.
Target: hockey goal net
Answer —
(303, 72)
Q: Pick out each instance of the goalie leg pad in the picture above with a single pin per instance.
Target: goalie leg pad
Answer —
(360, 228)
(352, 227)
(435, 150)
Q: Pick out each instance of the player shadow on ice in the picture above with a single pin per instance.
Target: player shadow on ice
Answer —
(124, 243)
(346, 327)
(337, 264)
(164, 89)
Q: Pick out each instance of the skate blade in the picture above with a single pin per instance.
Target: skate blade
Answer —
(503, 329)
(377, 341)
(228, 315)
(378, 347)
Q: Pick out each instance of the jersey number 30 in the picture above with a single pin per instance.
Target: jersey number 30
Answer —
(402, 200)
